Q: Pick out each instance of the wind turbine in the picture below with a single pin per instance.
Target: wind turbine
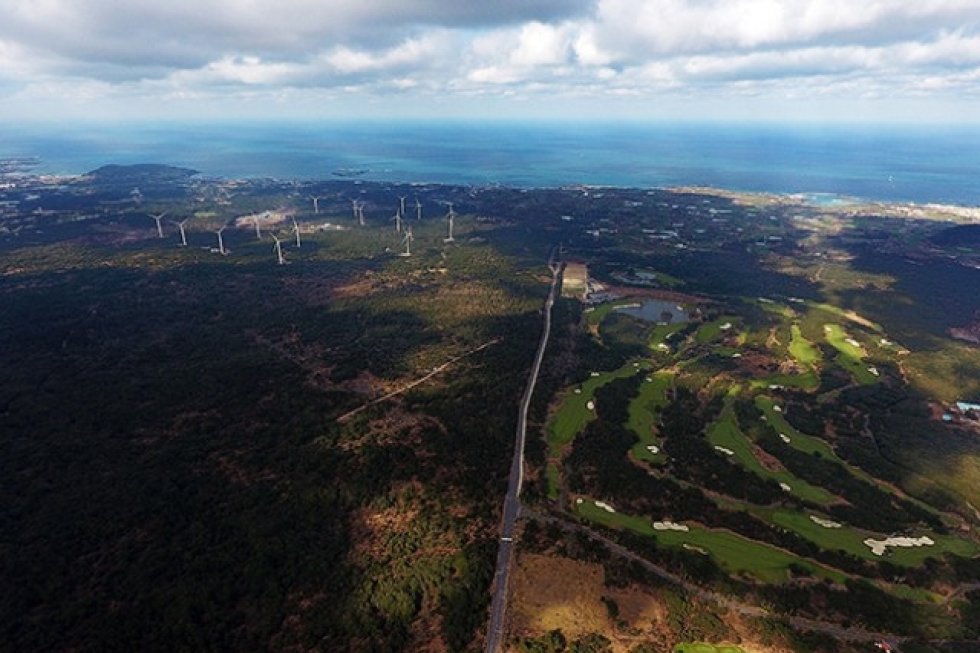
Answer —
(353, 205)
(401, 199)
(277, 248)
(316, 203)
(221, 241)
(258, 230)
(451, 216)
(407, 241)
(418, 210)
(398, 221)
(157, 219)
(183, 234)
(299, 243)
(360, 214)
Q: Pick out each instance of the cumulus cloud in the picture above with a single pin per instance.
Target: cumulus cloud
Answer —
(202, 49)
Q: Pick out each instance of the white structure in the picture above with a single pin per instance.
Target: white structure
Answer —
(407, 241)
(451, 216)
(398, 221)
(183, 234)
(316, 203)
(353, 206)
(277, 248)
(221, 241)
(401, 204)
(299, 243)
(418, 210)
(258, 229)
(157, 219)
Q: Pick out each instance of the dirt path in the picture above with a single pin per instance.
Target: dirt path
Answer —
(346, 416)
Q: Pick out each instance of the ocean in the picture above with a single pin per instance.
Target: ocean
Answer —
(888, 163)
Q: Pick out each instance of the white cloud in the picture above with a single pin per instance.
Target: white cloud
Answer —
(545, 50)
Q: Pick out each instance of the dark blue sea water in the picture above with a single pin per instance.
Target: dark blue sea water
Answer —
(896, 163)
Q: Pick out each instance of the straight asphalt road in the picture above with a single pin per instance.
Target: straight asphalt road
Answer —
(512, 503)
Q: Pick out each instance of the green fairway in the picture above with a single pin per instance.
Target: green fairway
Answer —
(644, 413)
(599, 313)
(802, 349)
(712, 330)
(703, 647)
(849, 356)
(803, 442)
(851, 540)
(574, 413)
(554, 479)
(736, 554)
(659, 335)
(725, 433)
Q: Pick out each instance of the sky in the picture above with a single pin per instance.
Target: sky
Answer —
(738, 60)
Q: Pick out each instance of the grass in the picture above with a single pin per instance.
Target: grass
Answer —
(802, 349)
(644, 412)
(803, 442)
(599, 313)
(726, 433)
(573, 414)
(847, 315)
(659, 333)
(712, 330)
(849, 357)
(735, 554)
(554, 479)
(704, 647)
(851, 540)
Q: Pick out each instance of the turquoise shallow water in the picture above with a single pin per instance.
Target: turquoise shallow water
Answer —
(918, 164)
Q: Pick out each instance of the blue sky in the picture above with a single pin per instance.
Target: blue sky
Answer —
(785, 60)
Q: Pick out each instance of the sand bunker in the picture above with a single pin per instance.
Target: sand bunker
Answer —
(605, 506)
(590, 405)
(669, 526)
(826, 523)
(878, 546)
(785, 438)
(652, 448)
(727, 452)
(785, 487)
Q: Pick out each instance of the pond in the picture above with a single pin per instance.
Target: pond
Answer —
(655, 310)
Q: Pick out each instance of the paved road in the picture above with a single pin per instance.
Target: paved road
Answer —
(835, 630)
(512, 503)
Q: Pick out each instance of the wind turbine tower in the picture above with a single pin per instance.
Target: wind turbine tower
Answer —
(418, 210)
(407, 241)
(258, 229)
(157, 219)
(451, 217)
(183, 234)
(401, 199)
(398, 221)
(277, 248)
(316, 203)
(221, 241)
(360, 214)
(299, 243)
